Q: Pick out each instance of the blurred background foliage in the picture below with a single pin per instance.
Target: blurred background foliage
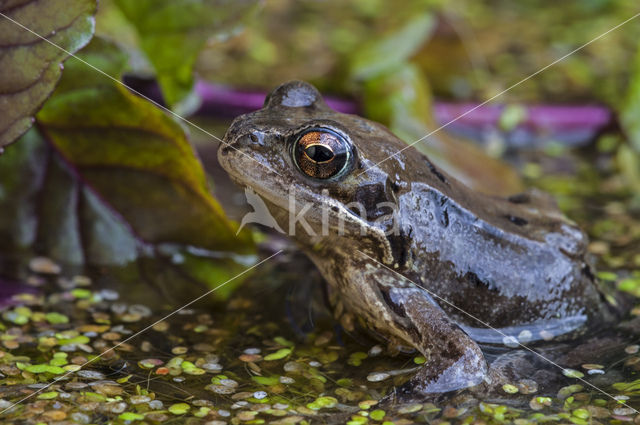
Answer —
(393, 58)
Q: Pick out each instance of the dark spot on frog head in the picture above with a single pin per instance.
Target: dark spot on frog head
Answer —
(375, 199)
(519, 198)
(518, 221)
(294, 94)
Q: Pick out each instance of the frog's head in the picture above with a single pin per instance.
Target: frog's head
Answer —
(300, 156)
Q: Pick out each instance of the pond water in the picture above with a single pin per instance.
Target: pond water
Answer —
(272, 353)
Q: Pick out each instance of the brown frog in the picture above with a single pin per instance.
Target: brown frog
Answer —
(407, 251)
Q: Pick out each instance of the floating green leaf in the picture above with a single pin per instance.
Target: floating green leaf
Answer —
(131, 416)
(81, 293)
(43, 368)
(266, 380)
(323, 402)
(377, 415)
(81, 339)
(30, 65)
(56, 318)
(48, 395)
(280, 354)
(191, 369)
(572, 373)
(179, 408)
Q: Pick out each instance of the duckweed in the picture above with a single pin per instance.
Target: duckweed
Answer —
(179, 408)
(323, 402)
(509, 389)
(130, 416)
(419, 360)
(278, 355)
(377, 415)
(56, 318)
(49, 395)
(572, 373)
(243, 365)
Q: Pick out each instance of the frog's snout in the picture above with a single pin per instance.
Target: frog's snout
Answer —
(242, 143)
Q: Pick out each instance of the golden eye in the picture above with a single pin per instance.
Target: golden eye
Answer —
(321, 153)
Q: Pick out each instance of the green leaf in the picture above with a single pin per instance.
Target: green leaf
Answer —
(377, 415)
(44, 368)
(136, 158)
(280, 354)
(171, 34)
(46, 204)
(48, 395)
(81, 339)
(56, 318)
(179, 408)
(382, 55)
(81, 293)
(266, 380)
(31, 66)
(107, 179)
(131, 416)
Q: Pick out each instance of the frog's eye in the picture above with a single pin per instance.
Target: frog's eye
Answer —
(321, 153)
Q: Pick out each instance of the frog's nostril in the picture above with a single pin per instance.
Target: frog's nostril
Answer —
(226, 148)
(245, 142)
(233, 145)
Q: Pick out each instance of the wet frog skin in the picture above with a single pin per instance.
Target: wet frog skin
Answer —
(403, 236)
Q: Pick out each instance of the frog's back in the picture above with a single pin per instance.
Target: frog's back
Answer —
(514, 263)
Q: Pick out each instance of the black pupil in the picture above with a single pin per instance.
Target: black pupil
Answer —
(319, 153)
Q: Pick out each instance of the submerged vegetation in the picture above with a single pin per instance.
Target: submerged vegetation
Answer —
(109, 221)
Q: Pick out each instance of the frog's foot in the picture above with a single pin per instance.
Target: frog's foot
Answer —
(454, 360)
(431, 381)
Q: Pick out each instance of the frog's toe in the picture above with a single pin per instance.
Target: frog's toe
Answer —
(467, 371)
(431, 382)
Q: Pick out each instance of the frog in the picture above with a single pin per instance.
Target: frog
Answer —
(408, 252)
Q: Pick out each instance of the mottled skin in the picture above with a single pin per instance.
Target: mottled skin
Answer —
(516, 264)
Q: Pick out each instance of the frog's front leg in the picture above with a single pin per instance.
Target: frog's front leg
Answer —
(404, 314)
(454, 360)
